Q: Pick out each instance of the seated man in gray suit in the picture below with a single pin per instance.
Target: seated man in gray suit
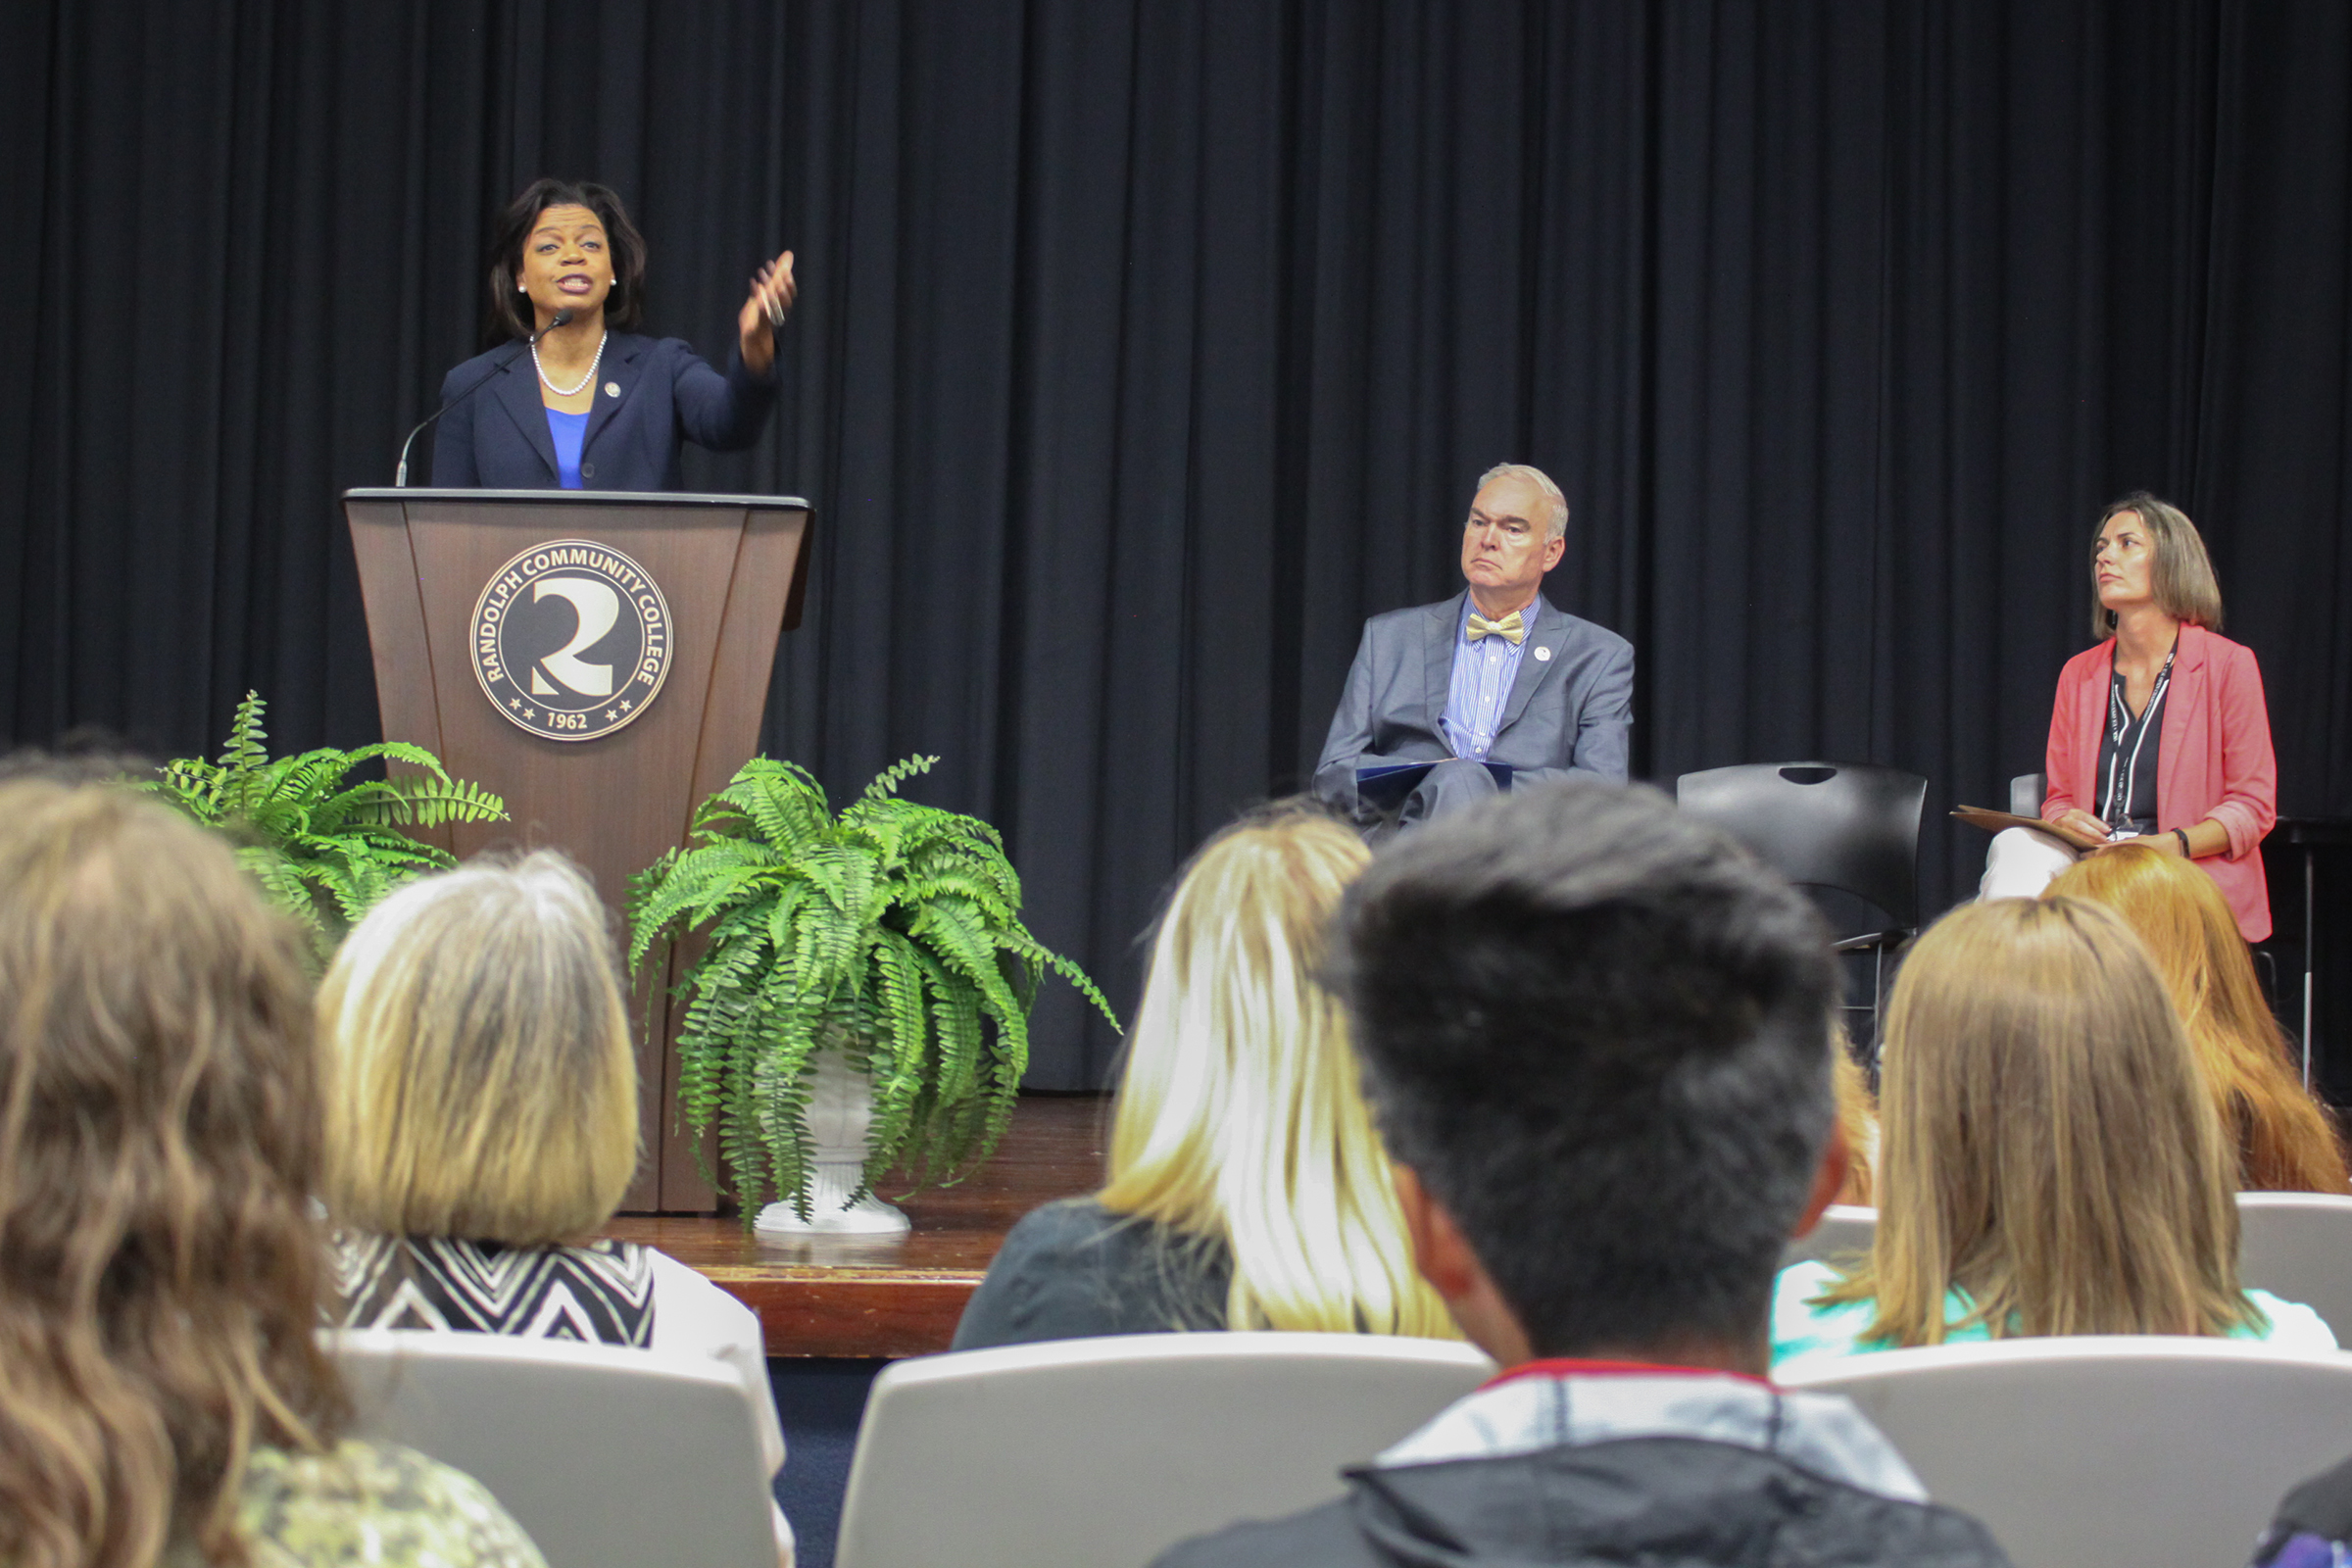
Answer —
(1492, 675)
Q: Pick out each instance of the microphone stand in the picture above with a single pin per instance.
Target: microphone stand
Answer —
(562, 317)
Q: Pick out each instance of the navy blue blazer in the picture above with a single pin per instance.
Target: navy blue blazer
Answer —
(650, 395)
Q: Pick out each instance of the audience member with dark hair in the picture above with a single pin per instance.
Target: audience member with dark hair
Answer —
(1597, 1036)
(481, 1094)
(2284, 1139)
(2051, 1161)
(1247, 1189)
(163, 1398)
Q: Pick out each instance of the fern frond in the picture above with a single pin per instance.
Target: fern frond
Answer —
(899, 1057)
(325, 852)
(192, 784)
(245, 750)
(417, 802)
(886, 783)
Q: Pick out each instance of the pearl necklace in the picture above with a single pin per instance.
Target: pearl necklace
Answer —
(572, 390)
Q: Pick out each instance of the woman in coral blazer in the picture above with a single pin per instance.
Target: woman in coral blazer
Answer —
(2207, 787)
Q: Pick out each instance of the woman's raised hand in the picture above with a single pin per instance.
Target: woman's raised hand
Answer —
(765, 311)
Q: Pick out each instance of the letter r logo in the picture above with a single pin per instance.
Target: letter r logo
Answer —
(599, 607)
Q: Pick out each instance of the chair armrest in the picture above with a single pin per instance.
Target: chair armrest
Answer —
(1873, 939)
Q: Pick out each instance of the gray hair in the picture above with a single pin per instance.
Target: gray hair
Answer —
(1557, 526)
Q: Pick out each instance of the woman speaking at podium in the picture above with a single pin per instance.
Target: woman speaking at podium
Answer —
(2160, 731)
(577, 400)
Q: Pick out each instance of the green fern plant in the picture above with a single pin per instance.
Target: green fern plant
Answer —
(891, 933)
(324, 848)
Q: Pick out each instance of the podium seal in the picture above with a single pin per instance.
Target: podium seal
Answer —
(570, 640)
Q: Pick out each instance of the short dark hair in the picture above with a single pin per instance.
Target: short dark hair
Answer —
(1597, 1030)
(624, 308)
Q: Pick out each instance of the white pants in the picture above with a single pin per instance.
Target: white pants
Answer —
(2021, 863)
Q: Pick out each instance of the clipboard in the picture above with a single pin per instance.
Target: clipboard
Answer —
(1993, 822)
(1386, 786)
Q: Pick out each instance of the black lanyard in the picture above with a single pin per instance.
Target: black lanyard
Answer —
(2120, 768)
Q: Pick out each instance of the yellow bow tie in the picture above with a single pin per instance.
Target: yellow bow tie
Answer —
(1508, 628)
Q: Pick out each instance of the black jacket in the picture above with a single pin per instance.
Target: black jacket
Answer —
(2317, 1513)
(1677, 1502)
(1074, 1269)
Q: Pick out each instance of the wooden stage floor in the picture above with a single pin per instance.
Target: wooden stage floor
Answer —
(860, 1296)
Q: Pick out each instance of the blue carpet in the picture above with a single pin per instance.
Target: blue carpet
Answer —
(820, 1404)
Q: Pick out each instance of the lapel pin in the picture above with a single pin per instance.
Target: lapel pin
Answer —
(1543, 655)
(611, 389)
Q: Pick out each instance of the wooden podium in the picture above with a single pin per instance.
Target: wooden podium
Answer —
(599, 658)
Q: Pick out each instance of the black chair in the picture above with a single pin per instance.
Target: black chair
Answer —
(1844, 828)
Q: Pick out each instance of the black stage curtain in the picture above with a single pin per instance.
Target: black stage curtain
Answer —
(1146, 346)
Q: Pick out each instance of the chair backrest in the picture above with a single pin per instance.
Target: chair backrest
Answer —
(610, 1457)
(1845, 1232)
(2299, 1246)
(1102, 1453)
(1844, 825)
(2026, 792)
(2106, 1450)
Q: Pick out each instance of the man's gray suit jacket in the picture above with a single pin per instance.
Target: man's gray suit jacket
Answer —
(1572, 711)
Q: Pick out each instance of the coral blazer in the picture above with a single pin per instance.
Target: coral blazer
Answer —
(2213, 757)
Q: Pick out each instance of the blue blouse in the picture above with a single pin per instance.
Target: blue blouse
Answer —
(571, 430)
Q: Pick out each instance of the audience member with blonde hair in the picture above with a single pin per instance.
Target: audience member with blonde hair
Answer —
(481, 1124)
(1857, 1120)
(2284, 1140)
(1246, 1187)
(163, 1398)
(2050, 1162)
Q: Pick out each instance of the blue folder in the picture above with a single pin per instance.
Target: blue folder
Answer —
(1387, 785)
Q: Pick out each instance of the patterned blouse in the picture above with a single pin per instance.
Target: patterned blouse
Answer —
(368, 1505)
(602, 1292)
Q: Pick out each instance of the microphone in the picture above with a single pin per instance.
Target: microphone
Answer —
(562, 317)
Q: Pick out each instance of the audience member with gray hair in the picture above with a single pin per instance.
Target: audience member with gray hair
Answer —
(1493, 689)
(1596, 1035)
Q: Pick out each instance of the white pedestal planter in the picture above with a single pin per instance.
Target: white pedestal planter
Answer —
(840, 1109)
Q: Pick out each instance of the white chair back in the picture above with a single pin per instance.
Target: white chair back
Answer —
(2107, 1451)
(2299, 1246)
(1845, 1233)
(609, 1457)
(1102, 1453)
